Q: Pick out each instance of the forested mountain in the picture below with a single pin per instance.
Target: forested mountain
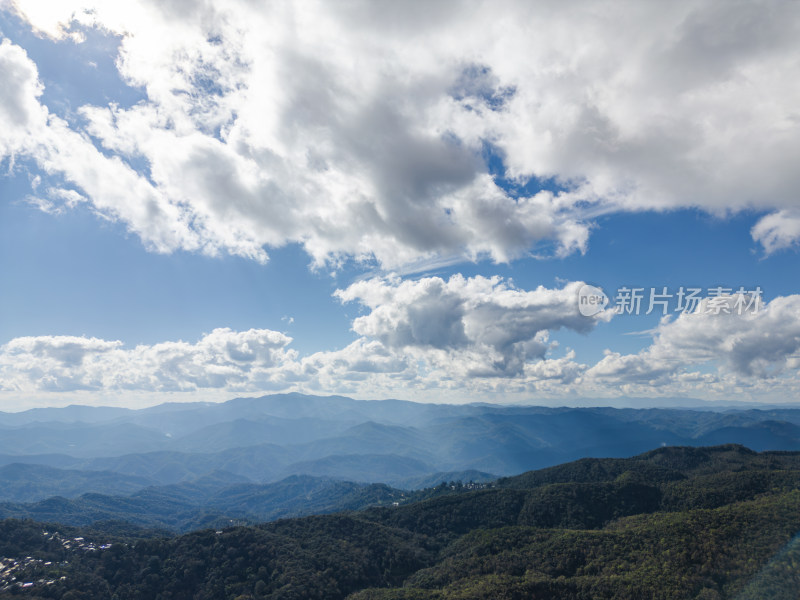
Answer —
(31, 482)
(210, 501)
(695, 523)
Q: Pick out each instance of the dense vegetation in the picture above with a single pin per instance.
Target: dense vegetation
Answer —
(210, 503)
(207, 503)
(697, 523)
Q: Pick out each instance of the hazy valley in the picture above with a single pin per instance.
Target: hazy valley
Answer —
(181, 467)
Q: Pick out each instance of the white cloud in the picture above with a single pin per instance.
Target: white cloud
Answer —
(115, 190)
(221, 359)
(778, 230)
(487, 325)
(461, 335)
(21, 115)
(764, 344)
(500, 348)
(359, 131)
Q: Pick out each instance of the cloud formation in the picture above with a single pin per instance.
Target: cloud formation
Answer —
(363, 132)
(428, 333)
(475, 317)
(457, 339)
(221, 359)
(20, 111)
(764, 344)
(778, 230)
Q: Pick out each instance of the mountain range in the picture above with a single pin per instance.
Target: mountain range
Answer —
(118, 451)
(710, 523)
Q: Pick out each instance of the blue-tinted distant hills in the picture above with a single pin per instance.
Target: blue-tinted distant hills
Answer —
(215, 500)
(30, 482)
(394, 442)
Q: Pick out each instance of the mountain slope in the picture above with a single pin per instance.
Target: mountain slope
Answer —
(27, 483)
(674, 523)
(386, 468)
(209, 501)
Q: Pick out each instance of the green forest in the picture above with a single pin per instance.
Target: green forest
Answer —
(695, 523)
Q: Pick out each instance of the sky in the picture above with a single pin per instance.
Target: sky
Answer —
(444, 202)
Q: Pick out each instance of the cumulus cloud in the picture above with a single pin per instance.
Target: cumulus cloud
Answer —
(21, 115)
(498, 343)
(778, 230)
(221, 359)
(362, 132)
(113, 188)
(761, 344)
(460, 334)
(485, 322)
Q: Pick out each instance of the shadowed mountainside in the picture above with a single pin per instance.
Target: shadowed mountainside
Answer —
(678, 522)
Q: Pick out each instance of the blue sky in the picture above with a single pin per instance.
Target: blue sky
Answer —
(230, 209)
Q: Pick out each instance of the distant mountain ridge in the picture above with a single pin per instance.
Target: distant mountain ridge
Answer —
(394, 442)
(30, 482)
(211, 501)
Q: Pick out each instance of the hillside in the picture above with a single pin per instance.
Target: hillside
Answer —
(211, 501)
(695, 523)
